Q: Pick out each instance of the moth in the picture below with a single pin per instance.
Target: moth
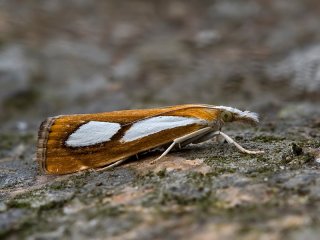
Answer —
(72, 143)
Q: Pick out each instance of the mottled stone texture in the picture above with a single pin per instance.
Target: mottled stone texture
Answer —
(59, 57)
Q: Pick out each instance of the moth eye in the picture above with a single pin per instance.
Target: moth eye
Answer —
(226, 116)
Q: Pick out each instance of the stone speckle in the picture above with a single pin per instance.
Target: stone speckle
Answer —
(61, 57)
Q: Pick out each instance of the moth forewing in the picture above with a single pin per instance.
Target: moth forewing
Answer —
(76, 142)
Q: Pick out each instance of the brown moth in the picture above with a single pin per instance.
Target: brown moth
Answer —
(71, 143)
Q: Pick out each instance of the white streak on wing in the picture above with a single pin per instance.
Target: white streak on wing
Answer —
(92, 133)
(157, 124)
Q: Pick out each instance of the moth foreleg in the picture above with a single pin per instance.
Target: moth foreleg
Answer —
(197, 139)
(231, 141)
(184, 138)
(204, 137)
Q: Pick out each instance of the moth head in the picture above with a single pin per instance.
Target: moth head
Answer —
(229, 114)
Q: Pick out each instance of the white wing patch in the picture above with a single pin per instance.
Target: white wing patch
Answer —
(92, 133)
(157, 124)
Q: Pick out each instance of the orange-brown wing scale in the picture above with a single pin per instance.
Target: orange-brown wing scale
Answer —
(56, 158)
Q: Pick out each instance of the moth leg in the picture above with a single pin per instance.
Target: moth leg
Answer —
(117, 163)
(231, 141)
(195, 140)
(202, 138)
(227, 138)
(182, 139)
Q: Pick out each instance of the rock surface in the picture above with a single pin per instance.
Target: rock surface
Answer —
(60, 57)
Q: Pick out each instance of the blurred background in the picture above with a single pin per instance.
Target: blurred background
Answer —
(77, 56)
(60, 57)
